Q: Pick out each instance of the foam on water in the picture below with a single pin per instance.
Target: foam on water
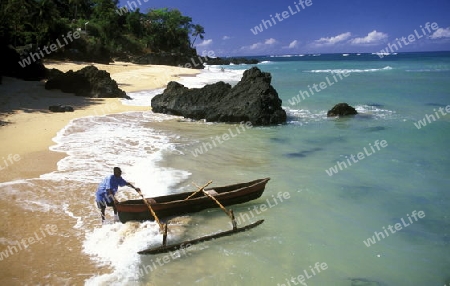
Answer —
(210, 74)
(386, 68)
(213, 74)
(305, 116)
(126, 240)
(113, 140)
(94, 145)
(141, 98)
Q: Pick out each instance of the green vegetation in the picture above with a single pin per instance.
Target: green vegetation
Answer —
(105, 29)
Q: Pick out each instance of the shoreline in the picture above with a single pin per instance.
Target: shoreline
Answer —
(24, 113)
(26, 132)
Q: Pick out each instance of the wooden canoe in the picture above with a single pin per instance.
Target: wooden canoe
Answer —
(175, 204)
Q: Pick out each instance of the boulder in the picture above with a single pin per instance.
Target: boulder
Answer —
(253, 99)
(13, 65)
(188, 60)
(60, 108)
(89, 81)
(229, 61)
(341, 109)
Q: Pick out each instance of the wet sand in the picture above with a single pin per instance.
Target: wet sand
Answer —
(31, 255)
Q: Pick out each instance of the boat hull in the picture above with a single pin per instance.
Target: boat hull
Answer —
(175, 205)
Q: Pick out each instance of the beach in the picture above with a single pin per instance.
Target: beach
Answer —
(350, 186)
(26, 135)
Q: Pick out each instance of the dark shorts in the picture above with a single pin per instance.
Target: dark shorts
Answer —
(104, 204)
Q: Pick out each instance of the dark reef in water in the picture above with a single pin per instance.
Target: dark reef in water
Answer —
(341, 109)
(364, 282)
(303, 154)
(375, 128)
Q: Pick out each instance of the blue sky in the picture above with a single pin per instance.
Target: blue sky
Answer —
(325, 26)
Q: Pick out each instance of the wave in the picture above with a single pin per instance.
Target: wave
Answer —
(350, 70)
(282, 56)
(428, 70)
(384, 54)
(265, 62)
(141, 98)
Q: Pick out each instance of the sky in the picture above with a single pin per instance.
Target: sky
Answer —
(314, 26)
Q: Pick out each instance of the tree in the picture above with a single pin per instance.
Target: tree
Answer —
(45, 18)
(172, 30)
(198, 31)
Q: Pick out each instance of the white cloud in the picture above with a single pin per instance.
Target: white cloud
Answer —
(270, 41)
(293, 44)
(205, 43)
(261, 46)
(441, 33)
(255, 46)
(373, 38)
(333, 40)
(226, 37)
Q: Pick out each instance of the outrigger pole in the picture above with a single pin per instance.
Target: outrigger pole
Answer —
(199, 190)
(164, 248)
(228, 212)
(162, 228)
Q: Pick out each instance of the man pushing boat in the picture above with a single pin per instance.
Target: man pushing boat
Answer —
(106, 190)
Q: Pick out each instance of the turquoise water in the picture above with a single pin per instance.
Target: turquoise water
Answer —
(318, 222)
(327, 218)
(312, 216)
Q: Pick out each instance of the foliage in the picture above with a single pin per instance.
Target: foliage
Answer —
(103, 28)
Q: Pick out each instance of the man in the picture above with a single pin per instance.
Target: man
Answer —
(107, 189)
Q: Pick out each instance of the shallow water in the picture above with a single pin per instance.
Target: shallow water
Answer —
(326, 219)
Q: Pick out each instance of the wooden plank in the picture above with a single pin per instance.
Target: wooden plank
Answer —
(185, 244)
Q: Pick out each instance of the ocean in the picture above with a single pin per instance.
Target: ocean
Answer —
(351, 201)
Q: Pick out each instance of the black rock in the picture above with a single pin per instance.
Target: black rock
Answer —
(229, 61)
(89, 81)
(341, 109)
(12, 65)
(187, 60)
(253, 99)
(60, 108)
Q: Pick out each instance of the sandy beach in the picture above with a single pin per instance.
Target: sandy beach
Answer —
(24, 113)
(26, 135)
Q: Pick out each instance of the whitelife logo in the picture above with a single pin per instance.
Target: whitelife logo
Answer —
(284, 15)
(53, 47)
(398, 226)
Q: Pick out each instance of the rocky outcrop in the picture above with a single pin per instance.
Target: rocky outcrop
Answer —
(60, 108)
(341, 109)
(188, 60)
(89, 81)
(253, 99)
(13, 65)
(229, 61)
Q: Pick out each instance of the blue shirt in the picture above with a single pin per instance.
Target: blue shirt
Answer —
(112, 183)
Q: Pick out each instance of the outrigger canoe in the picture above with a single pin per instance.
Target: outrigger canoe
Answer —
(177, 204)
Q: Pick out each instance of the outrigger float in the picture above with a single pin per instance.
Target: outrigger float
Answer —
(194, 201)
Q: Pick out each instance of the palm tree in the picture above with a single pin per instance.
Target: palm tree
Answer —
(199, 31)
